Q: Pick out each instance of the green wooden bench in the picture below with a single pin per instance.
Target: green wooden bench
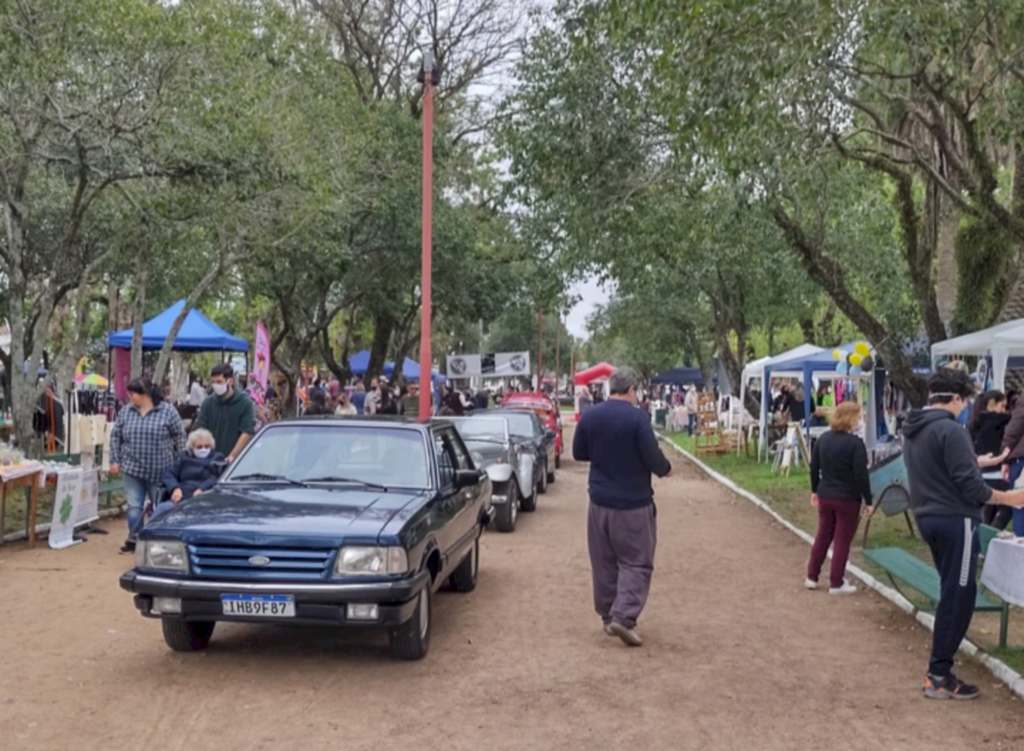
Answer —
(901, 566)
(109, 487)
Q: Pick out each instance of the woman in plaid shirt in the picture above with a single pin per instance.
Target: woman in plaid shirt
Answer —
(146, 439)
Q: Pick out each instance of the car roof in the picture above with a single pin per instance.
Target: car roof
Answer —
(377, 421)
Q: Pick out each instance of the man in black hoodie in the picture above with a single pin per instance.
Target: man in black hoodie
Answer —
(947, 494)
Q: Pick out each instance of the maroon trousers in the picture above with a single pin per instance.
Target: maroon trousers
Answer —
(837, 524)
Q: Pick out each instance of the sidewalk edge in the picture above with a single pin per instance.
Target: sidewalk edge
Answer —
(997, 667)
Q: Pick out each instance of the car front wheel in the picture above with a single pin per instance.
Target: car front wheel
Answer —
(507, 513)
(542, 486)
(411, 640)
(465, 576)
(187, 636)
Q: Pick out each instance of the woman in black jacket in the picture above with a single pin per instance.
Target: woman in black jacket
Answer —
(988, 428)
(839, 481)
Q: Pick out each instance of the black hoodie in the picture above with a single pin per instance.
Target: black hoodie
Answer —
(941, 467)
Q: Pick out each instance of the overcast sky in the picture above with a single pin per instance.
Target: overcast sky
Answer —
(591, 295)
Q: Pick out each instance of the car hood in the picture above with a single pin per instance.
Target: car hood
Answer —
(491, 452)
(289, 516)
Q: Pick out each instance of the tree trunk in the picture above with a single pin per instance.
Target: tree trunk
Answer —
(383, 323)
(190, 302)
(829, 275)
(139, 314)
(946, 273)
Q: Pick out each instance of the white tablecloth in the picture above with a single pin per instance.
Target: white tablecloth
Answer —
(1004, 570)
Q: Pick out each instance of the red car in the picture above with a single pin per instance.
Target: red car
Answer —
(548, 411)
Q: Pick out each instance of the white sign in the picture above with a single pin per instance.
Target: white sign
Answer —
(89, 499)
(502, 364)
(65, 505)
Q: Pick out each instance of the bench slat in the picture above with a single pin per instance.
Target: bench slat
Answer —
(918, 574)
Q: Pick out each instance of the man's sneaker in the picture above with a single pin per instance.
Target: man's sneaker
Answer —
(846, 589)
(128, 547)
(608, 629)
(629, 636)
(810, 584)
(948, 687)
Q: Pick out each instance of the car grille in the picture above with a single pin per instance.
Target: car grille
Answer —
(285, 564)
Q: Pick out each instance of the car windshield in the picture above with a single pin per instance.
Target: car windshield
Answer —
(519, 425)
(392, 457)
(487, 428)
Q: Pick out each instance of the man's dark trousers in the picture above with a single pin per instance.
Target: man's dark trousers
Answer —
(621, 544)
(954, 544)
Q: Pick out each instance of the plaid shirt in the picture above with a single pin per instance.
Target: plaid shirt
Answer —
(146, 446)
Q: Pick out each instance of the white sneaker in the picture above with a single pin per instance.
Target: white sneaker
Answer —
(810, 584)
(846, 589)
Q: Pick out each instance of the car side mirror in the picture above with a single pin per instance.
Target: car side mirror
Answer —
(550, 435)
(468, 478)
(218, 467)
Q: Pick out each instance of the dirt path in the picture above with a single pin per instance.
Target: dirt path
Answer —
(738, 656)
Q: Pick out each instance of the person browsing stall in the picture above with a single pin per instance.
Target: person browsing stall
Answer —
(228, 413)
(947, 493)
(839, 482)
(987, 428)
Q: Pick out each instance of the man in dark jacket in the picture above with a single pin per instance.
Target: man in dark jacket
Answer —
(618, 441)
(947, 494)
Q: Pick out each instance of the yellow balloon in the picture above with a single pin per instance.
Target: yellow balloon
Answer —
(862, 349)
(856, 359)
(838, 354)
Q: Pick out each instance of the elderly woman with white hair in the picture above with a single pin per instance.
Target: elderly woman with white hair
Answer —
(194, 473)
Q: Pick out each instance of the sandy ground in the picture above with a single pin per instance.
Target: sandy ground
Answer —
(737, 656)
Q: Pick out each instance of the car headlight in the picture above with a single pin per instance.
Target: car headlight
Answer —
(366, 560)
(161, 554)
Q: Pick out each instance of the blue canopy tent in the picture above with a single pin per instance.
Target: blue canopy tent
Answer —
(197, 334)
(411, 371)
(360, 362)
(823, 365)
(679, 377)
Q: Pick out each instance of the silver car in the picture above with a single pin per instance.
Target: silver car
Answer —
(510, 463)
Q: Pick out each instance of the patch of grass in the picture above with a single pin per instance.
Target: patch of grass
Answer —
(1014, 657)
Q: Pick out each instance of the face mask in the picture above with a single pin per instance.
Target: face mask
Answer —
(203, 453)
(220, 389)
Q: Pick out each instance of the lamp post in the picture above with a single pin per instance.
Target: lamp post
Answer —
(429, 76)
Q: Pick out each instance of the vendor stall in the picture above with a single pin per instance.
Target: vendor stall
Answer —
(865, 388)
(1003, 343)
(197, 334)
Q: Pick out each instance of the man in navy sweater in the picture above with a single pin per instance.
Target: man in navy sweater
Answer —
(618, 441)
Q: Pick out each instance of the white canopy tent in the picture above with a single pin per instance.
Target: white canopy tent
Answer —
(756, 371)
(1002, 342)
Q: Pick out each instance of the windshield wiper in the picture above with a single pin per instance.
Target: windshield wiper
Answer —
(332, 478)
(478, 439)
(267, 477)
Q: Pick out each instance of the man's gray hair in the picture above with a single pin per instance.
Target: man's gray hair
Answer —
(622, 380)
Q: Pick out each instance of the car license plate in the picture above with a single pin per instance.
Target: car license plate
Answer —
(259, 606)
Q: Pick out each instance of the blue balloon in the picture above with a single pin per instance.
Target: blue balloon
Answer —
(842, 367)
(855, 370)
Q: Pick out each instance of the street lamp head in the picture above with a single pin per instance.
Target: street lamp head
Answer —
(429, 64)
